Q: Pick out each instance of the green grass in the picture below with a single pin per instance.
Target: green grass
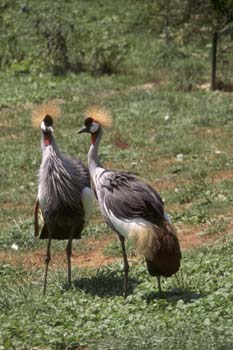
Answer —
(194, 311)
(174, 136)
(136, 114)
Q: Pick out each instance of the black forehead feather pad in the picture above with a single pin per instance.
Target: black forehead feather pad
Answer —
(48, 120)
(88, 121)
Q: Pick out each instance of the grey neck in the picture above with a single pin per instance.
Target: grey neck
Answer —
(53, 144)
(93, 158)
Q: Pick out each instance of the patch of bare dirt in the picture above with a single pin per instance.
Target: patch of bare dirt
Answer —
(190, 236)
(204, 87)
(94, 258)
(220, 87)
(121, 144)
(163, 185)
(196, 236)
(214, 132)
(222, 175)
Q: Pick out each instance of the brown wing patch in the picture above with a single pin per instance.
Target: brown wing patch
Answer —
(50, 108)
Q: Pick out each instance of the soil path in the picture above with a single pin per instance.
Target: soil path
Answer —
(93, 257)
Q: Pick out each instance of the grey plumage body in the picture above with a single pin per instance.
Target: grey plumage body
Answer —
(128, 197)
(134, 210)
(61, 182)
(64, 196)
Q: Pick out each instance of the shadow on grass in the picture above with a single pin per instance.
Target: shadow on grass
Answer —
(105, 284)
(173, 296)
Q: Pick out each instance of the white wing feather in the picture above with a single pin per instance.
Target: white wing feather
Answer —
(87, 200)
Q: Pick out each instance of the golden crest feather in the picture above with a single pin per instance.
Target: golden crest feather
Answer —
(101, 115)
(50, 108)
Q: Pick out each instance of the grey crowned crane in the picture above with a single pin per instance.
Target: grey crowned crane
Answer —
(132, 208)
(64, 194)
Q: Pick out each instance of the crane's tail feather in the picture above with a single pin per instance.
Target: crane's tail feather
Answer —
(166, 261)
(145, 240)
(160, 246)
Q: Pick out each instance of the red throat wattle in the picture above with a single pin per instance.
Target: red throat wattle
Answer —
(93, 138)
(47, 141)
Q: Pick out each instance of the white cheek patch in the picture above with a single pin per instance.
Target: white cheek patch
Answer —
(94, 127)
(42, 125)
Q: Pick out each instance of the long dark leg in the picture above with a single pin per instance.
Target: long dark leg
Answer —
(36, 225)
(68, 254)
(47, 260)
(125, 268)
(159, 284)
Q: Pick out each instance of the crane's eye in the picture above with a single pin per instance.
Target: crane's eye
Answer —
(94, 127)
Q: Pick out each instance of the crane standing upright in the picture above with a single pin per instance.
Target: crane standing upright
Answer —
(132, 208)
(64, 194)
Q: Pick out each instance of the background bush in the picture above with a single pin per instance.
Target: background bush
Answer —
(58, 44)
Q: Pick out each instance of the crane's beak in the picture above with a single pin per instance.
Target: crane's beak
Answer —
(84, 129)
